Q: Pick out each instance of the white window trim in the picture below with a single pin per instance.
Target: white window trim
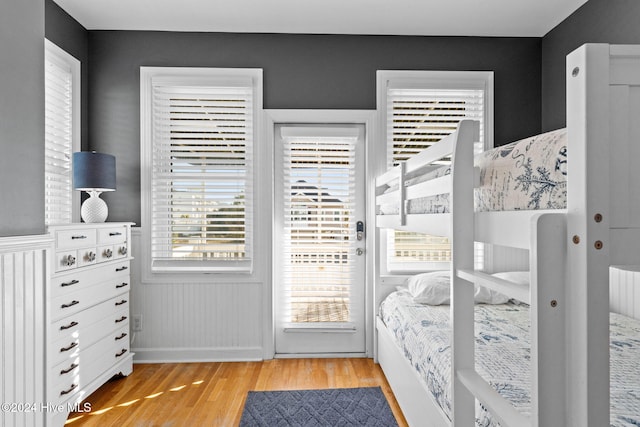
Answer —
(58, 54)
(419, 79)
(218, 77)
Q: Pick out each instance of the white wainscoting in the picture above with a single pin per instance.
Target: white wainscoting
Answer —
(624, 290)
(501, 258)
(188, 322)
(23, 283)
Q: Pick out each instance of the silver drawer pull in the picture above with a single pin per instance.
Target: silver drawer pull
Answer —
(78, 237)
(122, 319)
(121, 352)
(68, 260)
(124, 301)
(115, 233)
(122, 335)
(121, 269)
(108, 253)
(71, 304)
(71, 283)
(69, 369)
(122, 285)
(122, 250)
(71, 346)
(90, 256)
(69, 390)
(69, 326)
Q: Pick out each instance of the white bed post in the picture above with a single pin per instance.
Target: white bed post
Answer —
(588, 236)
(462, 237)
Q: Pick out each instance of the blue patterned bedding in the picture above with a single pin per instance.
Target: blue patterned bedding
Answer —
(524, 175)
(502, 353)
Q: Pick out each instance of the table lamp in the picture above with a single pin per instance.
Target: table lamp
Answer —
(94, 173)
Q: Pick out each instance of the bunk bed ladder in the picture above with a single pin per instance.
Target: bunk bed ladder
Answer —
(548, 316)
(462, 249)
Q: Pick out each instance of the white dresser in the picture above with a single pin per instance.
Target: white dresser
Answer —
(88, 312)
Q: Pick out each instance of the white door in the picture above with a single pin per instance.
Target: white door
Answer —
(319, 239)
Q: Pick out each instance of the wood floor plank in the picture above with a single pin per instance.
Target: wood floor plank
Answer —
(213, 394)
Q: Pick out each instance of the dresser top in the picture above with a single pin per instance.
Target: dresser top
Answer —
(77, 225)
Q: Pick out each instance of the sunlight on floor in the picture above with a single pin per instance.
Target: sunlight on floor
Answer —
(131, 402)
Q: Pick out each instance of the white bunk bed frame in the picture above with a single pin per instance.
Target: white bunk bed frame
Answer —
(600, 227)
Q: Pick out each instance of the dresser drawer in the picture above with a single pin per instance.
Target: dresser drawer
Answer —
(75, 238)
(87, 331)
(69, 304)
(118, 351)
(87, 256)
(76, 324)
(72, 281)
(64, 349)
(112, 235)
(71, 375)
(68, 351)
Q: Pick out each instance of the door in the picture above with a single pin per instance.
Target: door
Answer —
(320, 264)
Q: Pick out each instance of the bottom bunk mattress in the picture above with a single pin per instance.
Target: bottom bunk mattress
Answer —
(502, 348)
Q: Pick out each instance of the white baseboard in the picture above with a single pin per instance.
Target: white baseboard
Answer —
(188, 355)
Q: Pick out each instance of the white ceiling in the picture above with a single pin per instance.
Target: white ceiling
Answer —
(518, 18)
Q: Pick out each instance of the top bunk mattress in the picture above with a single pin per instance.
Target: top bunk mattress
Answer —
(528, 174)
(422, 333)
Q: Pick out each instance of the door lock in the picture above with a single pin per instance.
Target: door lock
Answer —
(359, 230)
(359, 251)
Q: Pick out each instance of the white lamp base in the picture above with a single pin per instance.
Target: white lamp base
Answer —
(94, 209)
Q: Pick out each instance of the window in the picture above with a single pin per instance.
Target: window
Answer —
(62, 133)
(198, 132)
(418, 108)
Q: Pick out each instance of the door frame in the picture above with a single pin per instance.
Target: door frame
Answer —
(311, 116)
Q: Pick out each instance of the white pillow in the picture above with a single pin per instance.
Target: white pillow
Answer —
(433, 288)
(430, 288)
(488, 296)
(484, 295)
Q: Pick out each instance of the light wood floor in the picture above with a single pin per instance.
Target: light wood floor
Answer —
(213, 394)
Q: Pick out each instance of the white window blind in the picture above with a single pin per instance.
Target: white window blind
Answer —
(418, 118)
(60, 69)
(319, 224)
(419, 113)
(201, 201)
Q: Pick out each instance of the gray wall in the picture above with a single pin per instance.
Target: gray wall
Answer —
(21, 117)
(597, 21)
(68, 34)
(300, 71)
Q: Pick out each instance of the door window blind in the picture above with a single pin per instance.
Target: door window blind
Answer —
(202, 175)
(417, 119)
(319, 225)
(59, 135)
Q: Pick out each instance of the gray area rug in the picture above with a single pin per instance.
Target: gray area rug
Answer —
(365, 406)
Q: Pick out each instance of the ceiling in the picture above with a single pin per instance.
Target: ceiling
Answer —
(515, 18)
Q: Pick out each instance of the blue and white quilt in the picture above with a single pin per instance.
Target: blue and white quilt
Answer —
(525, 175)
(503, 353)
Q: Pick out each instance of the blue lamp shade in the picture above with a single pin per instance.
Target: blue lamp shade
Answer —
(94, 171)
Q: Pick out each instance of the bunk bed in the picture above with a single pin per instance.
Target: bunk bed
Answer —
(573, 238)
